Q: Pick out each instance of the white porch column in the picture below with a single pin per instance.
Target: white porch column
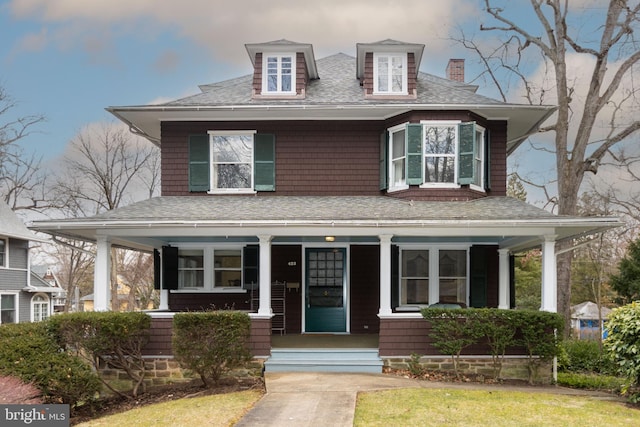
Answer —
(503, 279)
(385, 275)
(264, 279)
(164, 299)
(549, 275)
(102, 274)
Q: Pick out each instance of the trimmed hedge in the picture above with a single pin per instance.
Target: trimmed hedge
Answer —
(30, 352)
(211, 343)
(111, 339)
(453, 330)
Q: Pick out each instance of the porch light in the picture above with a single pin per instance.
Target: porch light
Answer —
(329, 238)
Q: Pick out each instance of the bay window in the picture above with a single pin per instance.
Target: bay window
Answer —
(434, 154)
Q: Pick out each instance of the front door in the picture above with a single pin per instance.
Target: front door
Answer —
(325, 290)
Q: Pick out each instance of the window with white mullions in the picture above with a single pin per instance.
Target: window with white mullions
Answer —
(440, 153)
(279, 74)
(390, 73)
(398, 167)
(8, 308)
(3, 252)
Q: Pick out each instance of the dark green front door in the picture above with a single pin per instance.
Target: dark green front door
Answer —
(325, 302)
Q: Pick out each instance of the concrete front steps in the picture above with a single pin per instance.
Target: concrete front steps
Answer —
(356, 360)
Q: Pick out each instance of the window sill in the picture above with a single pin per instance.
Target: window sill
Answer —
(440, 185)
(477, 188)
(411, 308)
(232, 191)
(397, 188)
(210, 291)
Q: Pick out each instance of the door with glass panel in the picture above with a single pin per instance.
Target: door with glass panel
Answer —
(325, 290)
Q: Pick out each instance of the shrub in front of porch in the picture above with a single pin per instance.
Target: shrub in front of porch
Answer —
(536, 332)
(211, 343)
(107, 339)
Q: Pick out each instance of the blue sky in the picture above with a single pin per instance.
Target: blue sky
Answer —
(69, 59)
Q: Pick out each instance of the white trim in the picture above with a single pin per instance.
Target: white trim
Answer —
(208, 254)
(391, 187)
(212, 178)
(483, 160)
(454, 156)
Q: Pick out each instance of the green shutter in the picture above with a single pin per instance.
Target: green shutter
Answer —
(264, 162)
(199, 163)
(384, 166)
(478, 286)
(414, 154)
(169, 267)
(466, 154)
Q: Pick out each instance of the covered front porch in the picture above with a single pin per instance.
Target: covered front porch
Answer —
(328, 265)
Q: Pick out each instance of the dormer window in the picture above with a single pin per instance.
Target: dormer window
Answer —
(390, 73)
(278, 74)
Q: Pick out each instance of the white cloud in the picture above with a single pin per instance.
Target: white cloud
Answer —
(224, 27)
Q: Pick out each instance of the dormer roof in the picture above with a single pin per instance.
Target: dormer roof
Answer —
(387, 46)
(284, 46)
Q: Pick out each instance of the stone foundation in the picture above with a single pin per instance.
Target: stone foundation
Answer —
(159, 371)
(513, 367)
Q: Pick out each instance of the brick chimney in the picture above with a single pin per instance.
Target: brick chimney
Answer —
(455, 70)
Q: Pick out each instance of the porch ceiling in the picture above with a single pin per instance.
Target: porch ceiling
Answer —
(149, 224)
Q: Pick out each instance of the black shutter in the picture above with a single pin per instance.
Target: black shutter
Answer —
(156, 269)
(395, 276)
(199, 163)
(478, 286)
(251, 266)
(512, 281)
(169, 267)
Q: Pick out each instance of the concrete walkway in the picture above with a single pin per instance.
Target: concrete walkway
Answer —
(329, 399)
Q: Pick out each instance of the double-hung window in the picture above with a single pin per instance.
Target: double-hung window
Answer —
(3, 252)
(390, 73)
(440, 149)
(430, 275)
(398, 158)
(8, 308)
(231, 161)
(209, 268)
(240, 161)
(279, 74)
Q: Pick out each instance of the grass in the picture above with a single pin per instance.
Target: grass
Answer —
(214, 410)
(590, 381)
(435, 407)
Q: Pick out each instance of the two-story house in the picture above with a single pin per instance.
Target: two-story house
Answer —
(333, 196)
(24, 296)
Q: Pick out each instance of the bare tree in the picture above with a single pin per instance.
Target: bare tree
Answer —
(591, 119)
(107, 167)
(21, 184)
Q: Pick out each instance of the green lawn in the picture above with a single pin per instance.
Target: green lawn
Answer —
(438, 407)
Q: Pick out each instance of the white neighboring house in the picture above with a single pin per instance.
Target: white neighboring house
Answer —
(584, 320)
(23, 296)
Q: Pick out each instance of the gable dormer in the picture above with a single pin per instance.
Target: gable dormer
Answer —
(388, 69)
(282, 69)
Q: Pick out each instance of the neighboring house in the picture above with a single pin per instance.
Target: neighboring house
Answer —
(47, 278)
(24, 297)
(87, 301)
(373, 188)
(585, 319)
